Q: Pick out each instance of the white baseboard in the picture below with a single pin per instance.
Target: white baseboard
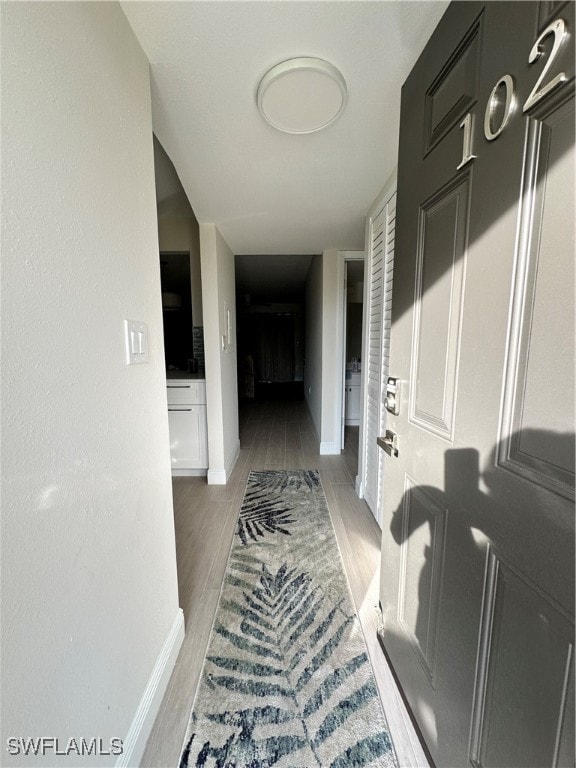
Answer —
(312, 422)
(329, 449)
(233, 458)
(221, 476)
(135, 741)
(216, 477)
(189, 472)
(359, 487)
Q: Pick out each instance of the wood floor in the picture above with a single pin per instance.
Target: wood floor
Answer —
(273, 435)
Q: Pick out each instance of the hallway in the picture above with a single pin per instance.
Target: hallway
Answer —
(274, 435)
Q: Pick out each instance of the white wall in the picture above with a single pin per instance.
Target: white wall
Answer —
(313, 343)
(89, 588)
(325, 340)
(219, 295)
(332, 350)
(324, 361)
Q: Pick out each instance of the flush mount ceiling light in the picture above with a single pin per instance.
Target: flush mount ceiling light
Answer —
(302, 95)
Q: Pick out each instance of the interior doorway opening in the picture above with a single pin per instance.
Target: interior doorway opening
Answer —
(270, 309)
(353, 340)
(270, 351)
(353, 317)
(352, 304)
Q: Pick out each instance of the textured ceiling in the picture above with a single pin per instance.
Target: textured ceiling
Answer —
(269, 192)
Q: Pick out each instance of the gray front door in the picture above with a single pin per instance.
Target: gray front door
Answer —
(477, 585)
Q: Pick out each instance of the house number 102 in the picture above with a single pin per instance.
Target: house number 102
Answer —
(506, 83)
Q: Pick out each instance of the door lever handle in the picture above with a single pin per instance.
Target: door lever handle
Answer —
(389, 443)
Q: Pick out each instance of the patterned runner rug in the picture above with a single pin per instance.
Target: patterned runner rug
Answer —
(286, 680)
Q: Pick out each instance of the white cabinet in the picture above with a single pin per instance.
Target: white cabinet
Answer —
(352, 399)
(187, 425)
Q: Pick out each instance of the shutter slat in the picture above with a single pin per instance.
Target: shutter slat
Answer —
(381, 261)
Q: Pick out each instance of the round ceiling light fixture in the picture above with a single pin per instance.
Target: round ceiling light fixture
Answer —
(302, 95)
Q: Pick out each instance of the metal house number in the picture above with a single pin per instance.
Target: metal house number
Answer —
(506, 83)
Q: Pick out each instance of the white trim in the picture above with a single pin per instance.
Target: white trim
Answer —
(329, 449)
(139, 731)
(316, 435)
(221, 476)
(344, 310)
(189, 472)
(340, 343)
(231, 463)
(339, 352)
(216, 477)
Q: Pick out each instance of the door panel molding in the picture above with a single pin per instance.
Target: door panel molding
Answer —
(548, 9)
(516, 611)
(438, 306)
(454, 90)
(544, 250)
(422, 553)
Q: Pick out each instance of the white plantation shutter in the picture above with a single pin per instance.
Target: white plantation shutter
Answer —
(381, 265)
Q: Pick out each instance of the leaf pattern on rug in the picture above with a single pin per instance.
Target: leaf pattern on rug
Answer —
(263, 509)
(286, 680)
(278, 480)
(287, 636)
(259, 516)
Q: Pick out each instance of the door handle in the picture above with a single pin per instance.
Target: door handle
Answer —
(389, 443)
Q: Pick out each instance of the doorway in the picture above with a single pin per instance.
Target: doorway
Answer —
(177, 309)
(270, 325)
(353, 317)
(270, 351)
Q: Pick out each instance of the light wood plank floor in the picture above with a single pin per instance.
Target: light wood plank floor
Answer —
(273, 435)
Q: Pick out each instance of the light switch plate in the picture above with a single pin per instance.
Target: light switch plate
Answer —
(136, 335)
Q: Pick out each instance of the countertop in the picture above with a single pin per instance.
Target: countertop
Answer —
(185, 376)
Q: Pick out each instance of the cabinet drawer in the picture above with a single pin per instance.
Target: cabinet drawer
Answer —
(188, 441)
(352, 403)
(183, 391)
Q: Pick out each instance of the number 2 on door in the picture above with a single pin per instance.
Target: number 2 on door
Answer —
(541, 89)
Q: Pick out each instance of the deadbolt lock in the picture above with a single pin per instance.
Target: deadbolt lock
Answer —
(392, 401)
